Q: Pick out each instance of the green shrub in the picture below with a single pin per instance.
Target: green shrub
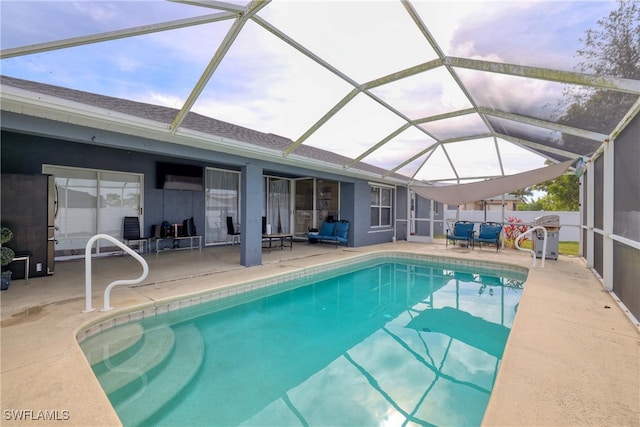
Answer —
(7, 253)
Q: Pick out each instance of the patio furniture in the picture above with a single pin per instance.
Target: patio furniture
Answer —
(232, 232)
(26, 257)
(131, 233)
(334, 232)
(283, 240)
(173, 243)
(489, 233)
(462, 232)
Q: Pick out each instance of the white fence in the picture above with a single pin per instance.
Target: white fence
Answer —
(569, 221)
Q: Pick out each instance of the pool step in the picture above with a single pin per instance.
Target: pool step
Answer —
(113, 345)
(176, 374)
(156, 348)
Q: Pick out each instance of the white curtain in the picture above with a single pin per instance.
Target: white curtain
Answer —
(278, 210)
(222, 190)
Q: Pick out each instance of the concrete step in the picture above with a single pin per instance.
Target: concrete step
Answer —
(113, 345)
(156, 348)
(176, 374)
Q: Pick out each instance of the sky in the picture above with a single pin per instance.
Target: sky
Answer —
(264, 84)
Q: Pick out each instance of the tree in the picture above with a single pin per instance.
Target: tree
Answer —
(527, 202)
(523, 194)
(533, 205)
(563, 193)
(613, 49)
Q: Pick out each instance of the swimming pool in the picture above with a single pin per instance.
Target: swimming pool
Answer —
(383, 342)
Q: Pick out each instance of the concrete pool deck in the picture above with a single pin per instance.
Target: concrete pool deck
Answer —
(573, 355)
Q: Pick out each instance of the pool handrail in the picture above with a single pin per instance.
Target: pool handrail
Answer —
(544, 243)
(107, 291)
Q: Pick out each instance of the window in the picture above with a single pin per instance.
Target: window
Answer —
(380, 206)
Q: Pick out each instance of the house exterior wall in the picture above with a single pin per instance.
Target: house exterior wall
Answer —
(491, 204)
(38, 141)
(364, 233)
(26, 154)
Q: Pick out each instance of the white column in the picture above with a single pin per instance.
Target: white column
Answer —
(431, 218)
(608, 212)
(590, 212)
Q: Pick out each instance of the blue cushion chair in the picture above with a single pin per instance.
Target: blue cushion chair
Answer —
(462, 232)
(341, 232)
(489, 233)
(333, 232)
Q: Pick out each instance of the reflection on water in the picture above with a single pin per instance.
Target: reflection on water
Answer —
(389, 344)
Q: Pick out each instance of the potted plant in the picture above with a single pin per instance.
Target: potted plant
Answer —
(7, 256)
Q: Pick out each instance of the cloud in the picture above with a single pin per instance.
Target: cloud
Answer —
(265, 84)
(535, 33)
(365, 40)
(429, 93)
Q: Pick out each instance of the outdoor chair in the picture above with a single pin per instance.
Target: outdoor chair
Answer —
(334, 232)
(232, 233)
(489, 233)
(462, 232)
(131, 233)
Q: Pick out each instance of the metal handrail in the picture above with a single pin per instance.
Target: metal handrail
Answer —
(107, 291)
(544, 244)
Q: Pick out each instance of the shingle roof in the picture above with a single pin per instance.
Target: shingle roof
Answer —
(193, 121)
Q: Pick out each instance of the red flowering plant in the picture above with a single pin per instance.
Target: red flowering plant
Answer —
(513, 230)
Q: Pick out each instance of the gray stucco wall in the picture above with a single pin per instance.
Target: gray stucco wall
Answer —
(28, 143)
(364, 233)
(26, 154)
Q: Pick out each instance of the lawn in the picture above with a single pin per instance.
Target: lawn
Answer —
(564, 248)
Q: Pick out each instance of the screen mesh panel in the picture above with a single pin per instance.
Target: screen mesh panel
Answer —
(626, 270)
(598, 184)
(626, 221)
(597, 253)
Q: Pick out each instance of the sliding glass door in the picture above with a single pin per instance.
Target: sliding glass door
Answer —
(90, 202)
(303, 209)
(316, 200)
(327, 201)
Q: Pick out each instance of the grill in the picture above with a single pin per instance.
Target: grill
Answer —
(552, 224)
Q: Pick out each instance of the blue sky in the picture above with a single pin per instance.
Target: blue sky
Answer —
(264, 84)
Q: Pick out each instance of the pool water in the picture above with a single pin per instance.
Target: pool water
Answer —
(390, 342)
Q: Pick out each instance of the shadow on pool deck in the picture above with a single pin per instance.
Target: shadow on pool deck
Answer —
(573, 356)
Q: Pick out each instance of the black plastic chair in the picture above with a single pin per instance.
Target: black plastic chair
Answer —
(131, 233)
(232, 232)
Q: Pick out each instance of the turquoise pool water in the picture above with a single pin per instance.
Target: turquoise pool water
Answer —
(388, 342)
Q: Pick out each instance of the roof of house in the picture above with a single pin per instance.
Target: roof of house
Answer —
(193, 121)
